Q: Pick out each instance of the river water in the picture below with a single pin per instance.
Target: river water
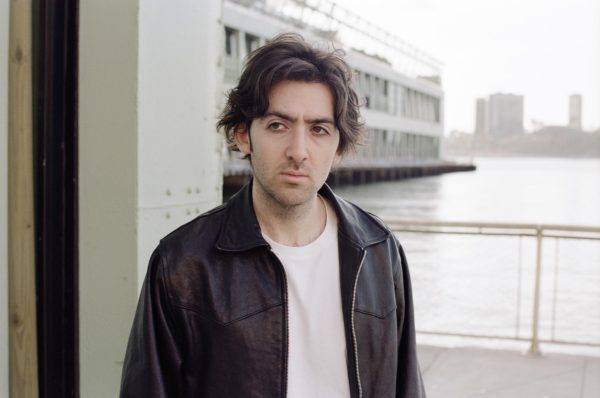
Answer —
(484, 285)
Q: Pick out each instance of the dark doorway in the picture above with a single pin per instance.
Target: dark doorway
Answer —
(55, 53)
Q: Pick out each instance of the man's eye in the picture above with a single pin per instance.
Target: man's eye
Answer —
(276, 126)
(318, 130)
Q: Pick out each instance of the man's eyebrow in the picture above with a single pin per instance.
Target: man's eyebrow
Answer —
(280, 115)
(293, 119)
(321, 120)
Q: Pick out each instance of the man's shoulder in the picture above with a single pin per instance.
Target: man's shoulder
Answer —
(199, 233)
(368, 217)
(365, 221)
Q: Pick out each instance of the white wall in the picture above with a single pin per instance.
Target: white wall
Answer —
(149, 158)
(108, 135)
(179, 162)
(4, 17)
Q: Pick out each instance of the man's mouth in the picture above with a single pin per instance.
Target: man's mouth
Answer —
(294, 175)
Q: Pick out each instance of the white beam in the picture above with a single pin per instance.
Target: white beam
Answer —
(149, 158)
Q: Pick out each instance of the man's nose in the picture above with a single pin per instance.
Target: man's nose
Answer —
(297, 148)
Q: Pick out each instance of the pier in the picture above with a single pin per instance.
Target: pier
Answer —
(236, 172)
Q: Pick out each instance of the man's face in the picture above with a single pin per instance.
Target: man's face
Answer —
(293, 146)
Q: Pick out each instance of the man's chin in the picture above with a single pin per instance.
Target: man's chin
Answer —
(292, 198)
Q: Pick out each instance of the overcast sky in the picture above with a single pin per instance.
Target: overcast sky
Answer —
(542, 49)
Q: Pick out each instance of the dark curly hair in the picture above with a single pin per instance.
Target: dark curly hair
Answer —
(289, 57)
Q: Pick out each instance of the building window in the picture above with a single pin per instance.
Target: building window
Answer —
(252, 43)
(230, 42)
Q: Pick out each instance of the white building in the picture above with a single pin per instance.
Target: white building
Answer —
(403, 112)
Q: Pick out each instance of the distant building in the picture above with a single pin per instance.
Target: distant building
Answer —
(575, 111)
(481, 117)
(505, 114)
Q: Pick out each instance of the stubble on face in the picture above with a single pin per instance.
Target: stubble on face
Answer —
(286, 198)
(290, 168)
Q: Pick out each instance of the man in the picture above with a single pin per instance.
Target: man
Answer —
(286, 289)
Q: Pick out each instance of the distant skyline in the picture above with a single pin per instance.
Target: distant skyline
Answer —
(545, 50)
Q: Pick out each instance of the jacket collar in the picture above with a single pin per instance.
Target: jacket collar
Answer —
(240, 230)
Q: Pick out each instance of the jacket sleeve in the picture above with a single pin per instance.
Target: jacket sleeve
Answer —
(153, 358)
(409, 383)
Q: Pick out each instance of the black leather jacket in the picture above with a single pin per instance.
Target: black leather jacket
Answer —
(212, 315)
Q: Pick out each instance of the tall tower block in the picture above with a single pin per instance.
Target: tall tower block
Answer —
(575, 111)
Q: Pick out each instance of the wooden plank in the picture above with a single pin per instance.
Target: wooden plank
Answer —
(23, 367)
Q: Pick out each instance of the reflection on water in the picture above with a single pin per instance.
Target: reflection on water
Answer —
(484, 285)
(548, 191)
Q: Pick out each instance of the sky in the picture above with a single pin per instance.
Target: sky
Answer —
(544, 50)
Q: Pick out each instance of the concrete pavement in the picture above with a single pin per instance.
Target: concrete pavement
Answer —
(476, 372)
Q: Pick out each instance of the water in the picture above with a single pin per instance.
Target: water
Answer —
(540, 190)
(484, 285)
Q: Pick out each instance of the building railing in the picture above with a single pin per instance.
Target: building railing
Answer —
(327, 18)
(540, 234)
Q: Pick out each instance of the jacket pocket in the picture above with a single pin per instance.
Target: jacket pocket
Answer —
(225, 291)
(375, 290)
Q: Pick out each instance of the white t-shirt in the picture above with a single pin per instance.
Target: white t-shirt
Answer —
(317, 346)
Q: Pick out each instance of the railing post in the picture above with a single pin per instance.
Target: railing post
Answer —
(534, 349)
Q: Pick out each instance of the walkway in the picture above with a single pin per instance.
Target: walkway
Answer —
(477, 372)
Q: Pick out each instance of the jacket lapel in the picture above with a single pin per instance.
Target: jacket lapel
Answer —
(240, 230)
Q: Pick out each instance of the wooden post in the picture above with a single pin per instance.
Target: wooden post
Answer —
(23, 367)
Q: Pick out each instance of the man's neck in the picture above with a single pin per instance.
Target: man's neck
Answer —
(291, 226)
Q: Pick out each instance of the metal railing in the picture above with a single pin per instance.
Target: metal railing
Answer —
(540, 234)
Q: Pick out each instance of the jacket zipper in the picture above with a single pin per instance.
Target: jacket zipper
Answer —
(356, 369)
(287, 322)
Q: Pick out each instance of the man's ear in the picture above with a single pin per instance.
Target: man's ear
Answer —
(242, 138)
(336, 160)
